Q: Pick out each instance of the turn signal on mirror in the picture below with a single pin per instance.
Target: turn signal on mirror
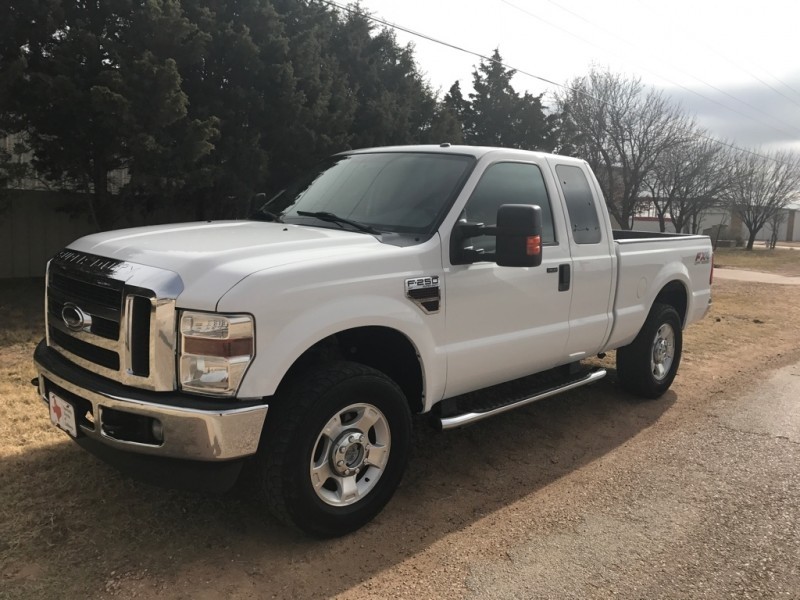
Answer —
(533, 245)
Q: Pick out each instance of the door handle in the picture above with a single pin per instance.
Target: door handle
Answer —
(563, 278)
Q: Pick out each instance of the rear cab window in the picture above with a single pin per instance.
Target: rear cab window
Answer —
(581, 205)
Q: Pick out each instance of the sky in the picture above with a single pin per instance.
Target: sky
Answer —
(734, 64)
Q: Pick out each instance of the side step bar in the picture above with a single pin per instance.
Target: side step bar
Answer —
(473, 417)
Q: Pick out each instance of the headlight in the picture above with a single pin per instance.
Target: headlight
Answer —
(215, 352)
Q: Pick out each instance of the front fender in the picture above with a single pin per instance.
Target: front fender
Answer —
(280, 344)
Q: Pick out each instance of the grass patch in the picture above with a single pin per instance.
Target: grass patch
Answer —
(22, 305)
(782, 261)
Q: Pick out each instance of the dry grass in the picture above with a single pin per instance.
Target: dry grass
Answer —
(21, 304)
(783, 261)
(53, 495)
(72, 527)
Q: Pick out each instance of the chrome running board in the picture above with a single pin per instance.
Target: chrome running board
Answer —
(473, 417)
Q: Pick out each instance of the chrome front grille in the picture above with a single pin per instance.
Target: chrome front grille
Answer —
(114, 318)
(103, 303)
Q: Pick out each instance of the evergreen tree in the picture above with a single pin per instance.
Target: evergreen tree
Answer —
(394, 105)
(326, 109)
(445, 127)
(91, 92)
(454, 101)
(498, 116)
(454, 105)
(245, 82)
(204, 102)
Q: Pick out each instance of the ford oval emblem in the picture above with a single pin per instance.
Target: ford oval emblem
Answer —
(74, 318)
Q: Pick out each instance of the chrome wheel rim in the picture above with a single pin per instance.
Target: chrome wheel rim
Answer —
(663, 352)
(350, 454)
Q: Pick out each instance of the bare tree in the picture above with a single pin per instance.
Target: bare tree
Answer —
(689, 179)
(621, 129)
(762, 185)
(775, 223)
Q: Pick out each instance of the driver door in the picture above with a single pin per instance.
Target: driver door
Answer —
(507, 322)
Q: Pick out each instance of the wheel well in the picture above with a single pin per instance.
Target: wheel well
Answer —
(381, 348)
(674, 294)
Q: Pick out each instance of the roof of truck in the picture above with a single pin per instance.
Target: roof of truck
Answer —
(476, 151)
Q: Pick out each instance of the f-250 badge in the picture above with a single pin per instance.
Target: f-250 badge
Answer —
(702, 258)
(424, 292)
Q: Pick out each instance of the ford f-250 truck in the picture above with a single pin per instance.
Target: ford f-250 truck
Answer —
(387, 282)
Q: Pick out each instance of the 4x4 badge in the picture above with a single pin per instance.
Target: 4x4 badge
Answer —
(702, 258)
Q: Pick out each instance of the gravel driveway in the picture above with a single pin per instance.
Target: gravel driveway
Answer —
(707, 510)
(755, 276)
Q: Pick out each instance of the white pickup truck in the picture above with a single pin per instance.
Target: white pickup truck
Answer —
(456, 281)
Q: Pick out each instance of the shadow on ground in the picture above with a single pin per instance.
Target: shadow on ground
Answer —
(70, 526)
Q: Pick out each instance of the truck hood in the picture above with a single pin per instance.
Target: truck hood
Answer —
(211, 257)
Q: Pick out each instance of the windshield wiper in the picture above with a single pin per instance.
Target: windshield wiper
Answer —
(262, 214)
(332, 218)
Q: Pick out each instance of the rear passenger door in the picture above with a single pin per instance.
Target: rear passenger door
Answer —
(593, 261)
(507, 322)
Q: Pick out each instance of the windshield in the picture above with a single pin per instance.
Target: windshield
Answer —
(389, 192)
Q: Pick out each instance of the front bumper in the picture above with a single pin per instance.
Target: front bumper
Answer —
(119, 417)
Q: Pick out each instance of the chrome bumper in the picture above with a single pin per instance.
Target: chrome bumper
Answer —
(188, 433)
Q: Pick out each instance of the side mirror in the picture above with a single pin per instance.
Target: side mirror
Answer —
(519, 235)
(460, 253)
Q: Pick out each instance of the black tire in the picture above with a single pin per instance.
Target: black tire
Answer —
(642, 368)
(295, 437)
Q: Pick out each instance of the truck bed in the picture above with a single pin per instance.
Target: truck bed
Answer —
(620, 235)
(646, 263)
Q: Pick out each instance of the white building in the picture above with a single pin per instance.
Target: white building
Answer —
(732, 227)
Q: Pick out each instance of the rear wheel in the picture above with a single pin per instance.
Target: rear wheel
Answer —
(335, 448)
(647, 366)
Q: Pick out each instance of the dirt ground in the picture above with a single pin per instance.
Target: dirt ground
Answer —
(590, 494)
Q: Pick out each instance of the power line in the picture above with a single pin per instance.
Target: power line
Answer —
(434, 40)
(699, 41)
(634, 46)
(675, 83)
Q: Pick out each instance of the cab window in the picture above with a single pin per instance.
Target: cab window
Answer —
(580, 205)
(508, 183)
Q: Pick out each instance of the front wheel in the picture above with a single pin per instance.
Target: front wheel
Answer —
(335, 449)
(647, 366)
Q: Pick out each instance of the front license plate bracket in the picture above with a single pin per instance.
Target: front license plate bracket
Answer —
(62, 414)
